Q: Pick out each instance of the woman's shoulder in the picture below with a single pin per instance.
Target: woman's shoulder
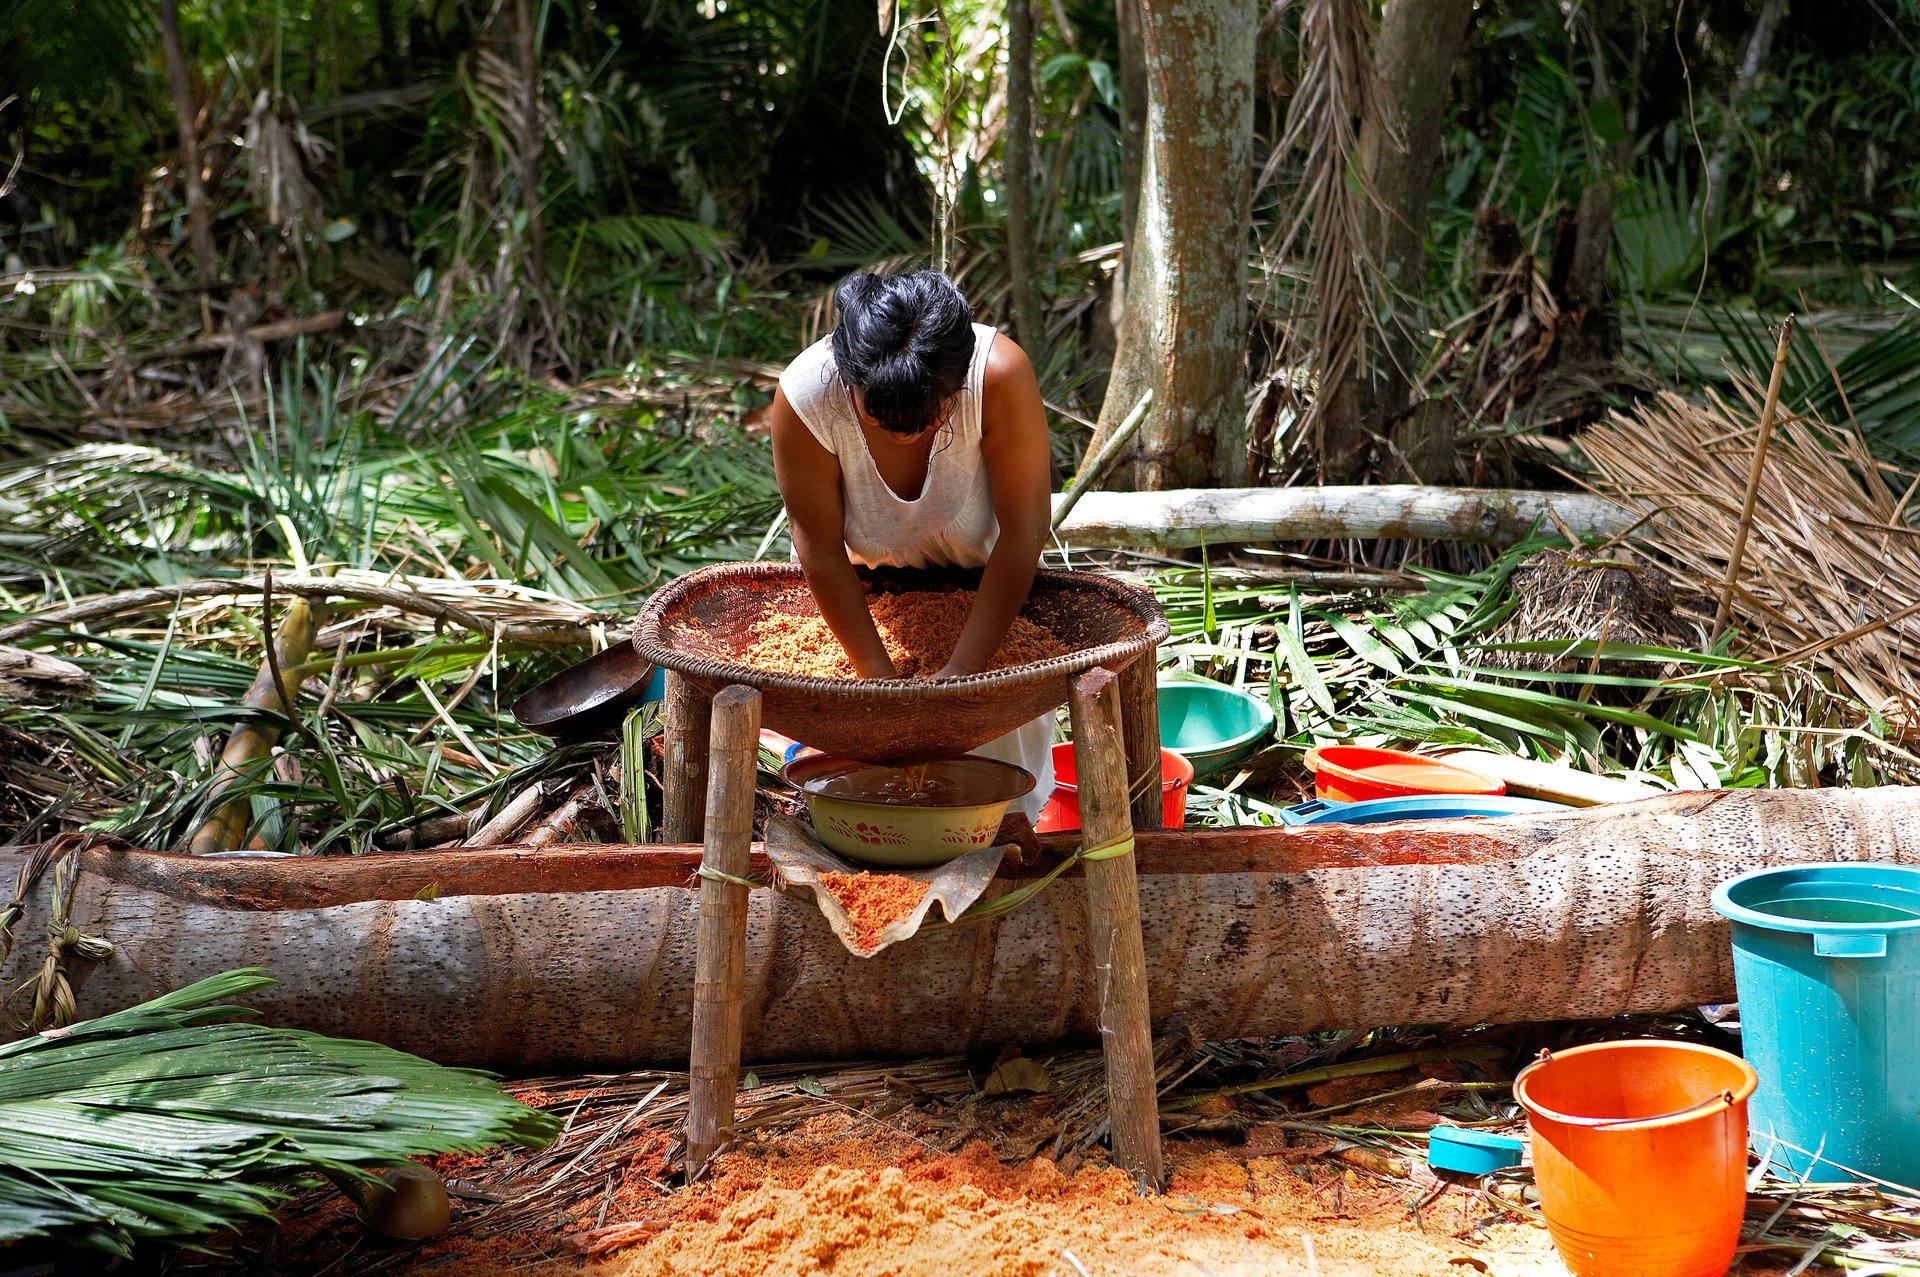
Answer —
(1003, 364)
(811, 374)
(811, 384)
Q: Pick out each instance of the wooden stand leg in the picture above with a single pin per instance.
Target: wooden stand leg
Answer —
(1113, 912)
(720, 961)
(1140, 724)
(686, 774)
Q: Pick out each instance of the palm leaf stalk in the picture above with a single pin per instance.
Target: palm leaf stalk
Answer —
(171, 1121)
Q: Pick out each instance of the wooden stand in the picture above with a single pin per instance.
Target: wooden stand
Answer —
(721, 816)
(1140, 724)
(1113, 915)
(720, 961)
(685, 779)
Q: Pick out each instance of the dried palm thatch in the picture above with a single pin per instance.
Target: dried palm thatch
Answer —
(1831, 568)
(1579, 599)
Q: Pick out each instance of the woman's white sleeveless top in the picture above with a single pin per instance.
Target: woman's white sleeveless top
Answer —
(951, 523)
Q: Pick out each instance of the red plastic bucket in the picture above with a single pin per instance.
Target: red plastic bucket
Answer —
(1063, 809)
(1640, 1155)
(1356, 773)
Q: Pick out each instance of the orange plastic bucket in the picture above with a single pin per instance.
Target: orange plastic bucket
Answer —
(1640, 1155)
(1063, 809)
(1355, 773)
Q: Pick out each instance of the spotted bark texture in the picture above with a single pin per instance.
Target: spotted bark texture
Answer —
(1413, 59)
(1183, 332)
(584, 957)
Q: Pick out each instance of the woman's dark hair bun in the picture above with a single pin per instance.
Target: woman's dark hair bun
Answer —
(905, 342)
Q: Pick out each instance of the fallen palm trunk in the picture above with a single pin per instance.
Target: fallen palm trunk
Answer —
(1220, 516)
(536, 960)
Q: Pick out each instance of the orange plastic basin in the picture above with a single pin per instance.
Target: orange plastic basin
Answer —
(1355, 773)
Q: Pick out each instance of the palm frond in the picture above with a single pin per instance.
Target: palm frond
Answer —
(172, 1121)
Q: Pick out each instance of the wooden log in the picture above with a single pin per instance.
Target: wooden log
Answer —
(684, 777)
(564, 817)
(1140, 724)
(38, 678)
(1527, 778)
(528, 961)
(251, 740)
(1113, 925)
(510, 819)
(277, 330)
(1389, 511)
(720, 974)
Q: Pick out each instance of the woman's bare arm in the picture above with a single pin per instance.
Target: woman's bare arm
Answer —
(809, 478)
(1014, 446)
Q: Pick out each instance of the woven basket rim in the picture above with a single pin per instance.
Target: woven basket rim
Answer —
(647, 641)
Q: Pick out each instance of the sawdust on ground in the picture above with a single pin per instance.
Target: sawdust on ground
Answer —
(830, 1201)
(851, 1197)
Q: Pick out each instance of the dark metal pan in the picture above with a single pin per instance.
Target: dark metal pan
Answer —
(591, 698)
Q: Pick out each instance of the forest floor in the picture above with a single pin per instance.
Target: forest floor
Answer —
(910, 1190)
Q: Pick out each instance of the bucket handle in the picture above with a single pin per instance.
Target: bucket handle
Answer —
(1601, 1123)
(1833, 944)
(1300, 813)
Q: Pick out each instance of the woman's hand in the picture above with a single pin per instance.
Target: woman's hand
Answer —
(954, 670)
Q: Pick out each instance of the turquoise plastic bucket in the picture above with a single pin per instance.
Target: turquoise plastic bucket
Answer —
(1827, 961)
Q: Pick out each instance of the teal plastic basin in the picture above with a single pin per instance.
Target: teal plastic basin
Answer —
(1211, 725)
(1827, 961)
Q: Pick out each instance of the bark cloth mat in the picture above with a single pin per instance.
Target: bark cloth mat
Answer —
(865, 912)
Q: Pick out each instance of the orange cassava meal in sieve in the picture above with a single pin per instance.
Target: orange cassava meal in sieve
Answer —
(873, 902)
(920, 629)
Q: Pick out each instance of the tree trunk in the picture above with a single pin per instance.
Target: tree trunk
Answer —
(1183, 334)
(531, 145)
(1132, 56)
(1414, 55)
(1753, 61)
(206, 266)
(1027, 324)
(583, 957)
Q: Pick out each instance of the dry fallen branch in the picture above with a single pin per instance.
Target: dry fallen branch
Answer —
(511, 617)
(37, 678)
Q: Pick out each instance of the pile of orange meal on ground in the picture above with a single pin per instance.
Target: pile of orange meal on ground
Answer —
(919, 627)
(873, 902)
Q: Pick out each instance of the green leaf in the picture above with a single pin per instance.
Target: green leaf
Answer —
(1365, 645)
(1300, 667)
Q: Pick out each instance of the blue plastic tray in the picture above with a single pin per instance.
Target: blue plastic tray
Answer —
(1320, 811)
